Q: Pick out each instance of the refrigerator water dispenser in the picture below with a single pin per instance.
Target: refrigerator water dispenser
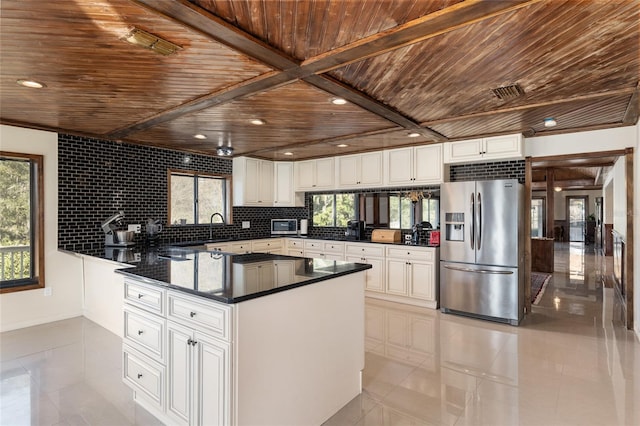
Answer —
(454, 226)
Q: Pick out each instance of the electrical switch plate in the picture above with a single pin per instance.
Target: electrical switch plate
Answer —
(245, 224)
(135, 228)
(47, 291)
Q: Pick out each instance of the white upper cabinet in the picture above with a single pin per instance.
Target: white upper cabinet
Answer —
(415, 166)
(360, 170)
(252, 182)
(284, 194)
(312, 175)
(492, 148)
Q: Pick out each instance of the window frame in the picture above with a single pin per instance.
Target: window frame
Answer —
(334, 215)
(37, 280)
(228, 194)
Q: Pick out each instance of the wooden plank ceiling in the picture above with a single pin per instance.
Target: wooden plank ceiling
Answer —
(404, 66)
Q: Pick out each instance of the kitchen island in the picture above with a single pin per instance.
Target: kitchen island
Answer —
(215, 338)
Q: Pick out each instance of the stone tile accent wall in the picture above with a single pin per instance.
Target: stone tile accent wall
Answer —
(97, 178)
(487, 171)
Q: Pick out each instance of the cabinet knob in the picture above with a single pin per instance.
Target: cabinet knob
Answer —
(194, 342)
(140, 332)
(189, 342)
(140, 296)
(139, 375)
(192, 314)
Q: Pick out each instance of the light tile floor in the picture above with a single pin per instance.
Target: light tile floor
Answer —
(567, 364)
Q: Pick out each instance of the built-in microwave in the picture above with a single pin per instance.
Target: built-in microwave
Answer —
(284, 226)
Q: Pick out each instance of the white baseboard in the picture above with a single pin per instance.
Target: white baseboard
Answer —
(38, 321)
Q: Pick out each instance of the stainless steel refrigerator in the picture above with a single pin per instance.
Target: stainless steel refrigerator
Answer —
(482, 249)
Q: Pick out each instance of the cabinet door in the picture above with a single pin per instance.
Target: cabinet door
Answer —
(265, 183)
(325, 173)
(506, 146)
(348, 171)
(305, 174)
(397, 277)
(285, 271)
(371, 169)
(375, 275)
(284, 194)
(461, 151)
(427, 163)
(400, 164)
(179, 366)
(251, 181)
(421, 285)
(212, 378)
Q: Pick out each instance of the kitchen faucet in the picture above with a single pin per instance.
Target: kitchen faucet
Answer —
(211, 223)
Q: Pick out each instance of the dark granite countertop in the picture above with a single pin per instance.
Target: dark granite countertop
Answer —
(230, 278)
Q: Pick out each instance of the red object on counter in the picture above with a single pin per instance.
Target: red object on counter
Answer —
(434, 238)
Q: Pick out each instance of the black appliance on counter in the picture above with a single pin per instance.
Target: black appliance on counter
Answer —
(355, 230)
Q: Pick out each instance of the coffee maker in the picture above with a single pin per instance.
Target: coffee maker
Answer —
(355, 230)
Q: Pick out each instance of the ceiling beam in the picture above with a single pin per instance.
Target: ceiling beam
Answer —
(434, 24)
(564, 184)
(189, 15)
(633, 108)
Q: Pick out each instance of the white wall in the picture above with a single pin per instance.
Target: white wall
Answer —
(608, 202)
(63, 272)
(576, 143)
(620, 197)
(636, 232)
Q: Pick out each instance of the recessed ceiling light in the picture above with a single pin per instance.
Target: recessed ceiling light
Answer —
(288, 153)
(342, 145)
(550, 122)
(413, 134)
(257, 121)
(30, 83)
(338, 101)
(557, 189)
(200, 136)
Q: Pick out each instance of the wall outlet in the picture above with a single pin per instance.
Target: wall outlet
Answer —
(48, 291)
(245, 224)
(137, 228)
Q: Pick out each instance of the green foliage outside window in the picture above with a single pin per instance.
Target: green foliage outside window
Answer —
(15, 218)
(333, 209)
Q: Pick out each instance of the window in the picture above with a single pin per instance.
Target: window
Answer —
(333, 209)
(400, 212)
(431, 211)
(195, 196)
(21, 222)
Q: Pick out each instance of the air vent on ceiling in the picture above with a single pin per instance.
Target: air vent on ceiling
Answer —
(149, 41)
(507, 93)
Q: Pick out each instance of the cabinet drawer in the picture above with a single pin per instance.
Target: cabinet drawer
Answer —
(145, 332)
(145, 296)
(262, 246)
(411, 253)
(333, 247)
(199, 314)
(241, 248)
(315, 245)
(299, 244)
(294, 252)
(145, 375)
(366, 250)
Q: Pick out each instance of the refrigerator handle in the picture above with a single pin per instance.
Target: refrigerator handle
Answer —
(472, 228)
(479, 221)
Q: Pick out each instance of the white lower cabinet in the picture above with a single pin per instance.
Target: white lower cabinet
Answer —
(177, 355)
(198, 381)
(412, 273)
(375, 275)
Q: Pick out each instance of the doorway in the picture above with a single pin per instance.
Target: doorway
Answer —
(577, 218)
(538, 212)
